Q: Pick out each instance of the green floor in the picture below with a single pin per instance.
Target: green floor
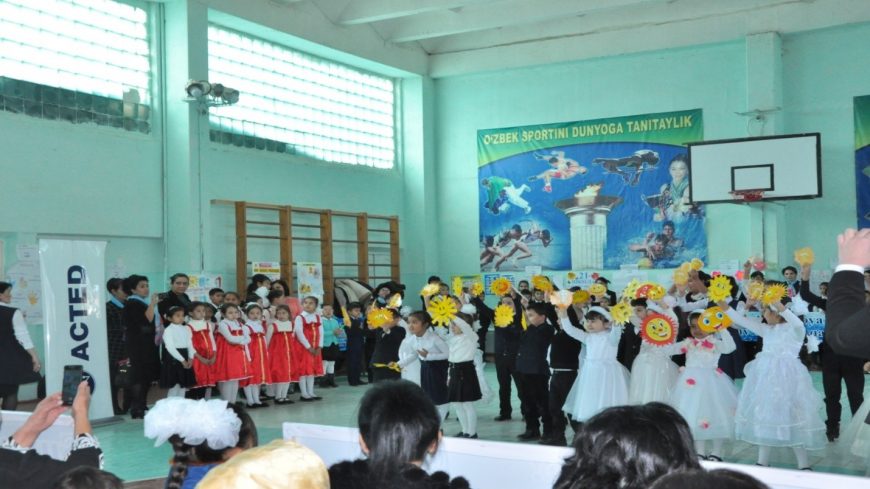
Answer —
(132, 457)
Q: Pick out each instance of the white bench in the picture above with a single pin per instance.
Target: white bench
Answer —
(501, 465)
(55, 442)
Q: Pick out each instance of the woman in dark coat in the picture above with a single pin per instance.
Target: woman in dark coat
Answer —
(19, 363)
(141, 341)
(177, 295)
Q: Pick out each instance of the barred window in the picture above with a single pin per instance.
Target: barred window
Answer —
(296, 103)
(85, 61)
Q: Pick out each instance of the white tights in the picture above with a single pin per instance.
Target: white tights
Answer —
(176, 391)
(467, 415)
(701, 447)
(306, 385)
(800, 453)
(252, 394)
(328, 367)
(281, 390)
(229, 390)
(443, 410)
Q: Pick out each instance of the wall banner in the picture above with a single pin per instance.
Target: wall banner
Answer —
(589, 195)
(862, 159)
(73, 277)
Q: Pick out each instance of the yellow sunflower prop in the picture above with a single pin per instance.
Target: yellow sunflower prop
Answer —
(756, 290)
(773, 293)
(456, 286)
(681, 277)
(719, 289)
(580, 296)
(504, 316)
(658, 329)
(620, 313)
(696, 264)
(500, 287)
(541, 282)
(523, 322)
(442, 310)
(477, 289)
(571, 275)
(395, 301)
(379, 317)
(804, 256)
(630, 290)
(597, 289)
(656, 292)
(714, 319)
(685, 266)
(429, 290)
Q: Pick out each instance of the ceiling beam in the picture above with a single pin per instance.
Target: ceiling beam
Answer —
(490, 16)
(365, 11)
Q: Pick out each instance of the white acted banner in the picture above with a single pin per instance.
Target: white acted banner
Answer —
(73, 290)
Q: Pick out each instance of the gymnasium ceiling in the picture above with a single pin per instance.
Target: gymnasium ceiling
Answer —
(474, 35)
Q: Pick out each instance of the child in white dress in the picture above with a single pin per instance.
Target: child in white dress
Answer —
(778, 406)
(704, 395)
(855, 439)
(603, 381)
(653, 374)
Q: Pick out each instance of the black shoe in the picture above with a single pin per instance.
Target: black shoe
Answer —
(554, 441)
(137, 414)
(459, 435)
(362, 382)
(502, 417)
(266, 397)
(810, 469)
(316, 398)
(262, 404)
(714, 458)
(529, 435)
(833, 432)
(279, 402)
(306, 399)
(471, 437)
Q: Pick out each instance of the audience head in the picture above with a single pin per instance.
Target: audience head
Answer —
(419, 322)
(203, 432)
(274, 295)
(216, 296)
(279, 464)
(354, 309)
(434, 279)
(523, 285)
(310, 303)
(197, 310)
(536, 313)
(86, 477)
(714, 479)
(789, 273)
(253, 311)
(823, 288)
(639, 306)
(757, 276)
(398, 425)
(629, 447)
(135, 285)
(175, 315)
(179, 283)
(280, 285)
(230, 311)
(232, 298)
(597, 319)
(115, 286)
(6, 290)
(282, 312)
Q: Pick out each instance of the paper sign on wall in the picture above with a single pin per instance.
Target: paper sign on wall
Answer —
(309, 277)
(271, 269)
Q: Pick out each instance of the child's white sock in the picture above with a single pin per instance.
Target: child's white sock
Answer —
(443, 410)
(309, 380)
(803, 459)
(460, 414)
(303, 387)
(229, 390)
(764, 455)
(249, 394)
(470, 418)
(281, 390)
(208, 393)
(255, 392)
(329, 366)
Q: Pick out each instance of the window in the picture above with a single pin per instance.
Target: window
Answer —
(296, 103)
(85, 61)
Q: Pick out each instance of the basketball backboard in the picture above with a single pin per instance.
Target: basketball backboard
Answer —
(782, 167)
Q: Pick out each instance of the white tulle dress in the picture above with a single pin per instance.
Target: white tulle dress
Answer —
(703, 394)
(778, 405)
(653, 373)
(603, 381)
(855, 439)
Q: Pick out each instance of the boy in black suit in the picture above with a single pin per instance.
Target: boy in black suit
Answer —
(534, 372)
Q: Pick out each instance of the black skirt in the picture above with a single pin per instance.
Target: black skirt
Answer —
(173, 373)
(433, 380)
(463, 385)
(331, 353)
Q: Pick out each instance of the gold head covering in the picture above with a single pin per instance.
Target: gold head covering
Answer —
(280, 464)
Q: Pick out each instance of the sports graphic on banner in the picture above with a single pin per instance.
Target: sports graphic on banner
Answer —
(73, 291)
(589, 195)
(862, 159)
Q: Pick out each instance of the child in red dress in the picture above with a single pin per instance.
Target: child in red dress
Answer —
(260, 366)
(205, 347)
(307, 360)
(280, 339)
(233, 359)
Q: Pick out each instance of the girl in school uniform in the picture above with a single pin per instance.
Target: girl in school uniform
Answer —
(280, 340)
(653, 373)
(704, 394)
(307, 358)
(463, 388)
(430, 354)
(233, 358)
(260, 366)
(778, 406)
(205, 347)
(332, 330)
(603, 381)
(176, 372)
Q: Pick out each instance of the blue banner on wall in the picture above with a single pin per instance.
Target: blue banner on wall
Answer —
(862, 159)
(590, 195)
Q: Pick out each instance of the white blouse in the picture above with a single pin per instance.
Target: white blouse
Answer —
(175, 337)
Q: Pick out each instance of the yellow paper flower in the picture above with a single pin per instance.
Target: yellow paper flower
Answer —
(442, 310)
(681, 277)
(580, 296)
(571, 275)
(379, 317)
(773, 293)
(456, 286)
(696, 264)
(756, 290)
(500, 287)
(395, 301)
(523, 322)
(429, 290)
(656, 292)
(621, 313)
(804, 256)
(597, 289)
(719, 289)
(630, 290)
(477, 289)
(685, 266)
(504, 316)
(541, 282)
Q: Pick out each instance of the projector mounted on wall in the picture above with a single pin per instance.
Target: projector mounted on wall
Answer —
(210, 94)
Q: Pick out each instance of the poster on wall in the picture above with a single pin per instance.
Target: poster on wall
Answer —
(309, 276)
(201, 283)
(26, 283)
(271, 269)
(862, 159)
(589, 195)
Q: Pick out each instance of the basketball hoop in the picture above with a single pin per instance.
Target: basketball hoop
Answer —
(748, 195)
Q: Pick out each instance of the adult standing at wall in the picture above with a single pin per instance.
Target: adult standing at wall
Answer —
(139, 311)
(848, 315)
(19, 362)
(116, 334)
(177, 294)
(286, 298)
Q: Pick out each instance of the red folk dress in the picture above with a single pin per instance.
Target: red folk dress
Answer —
(232, 359)
(304, 363)
(281, 351)
(205, 346)
(260, 365)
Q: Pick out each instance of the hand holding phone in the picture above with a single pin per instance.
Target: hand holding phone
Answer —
(72, 377)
